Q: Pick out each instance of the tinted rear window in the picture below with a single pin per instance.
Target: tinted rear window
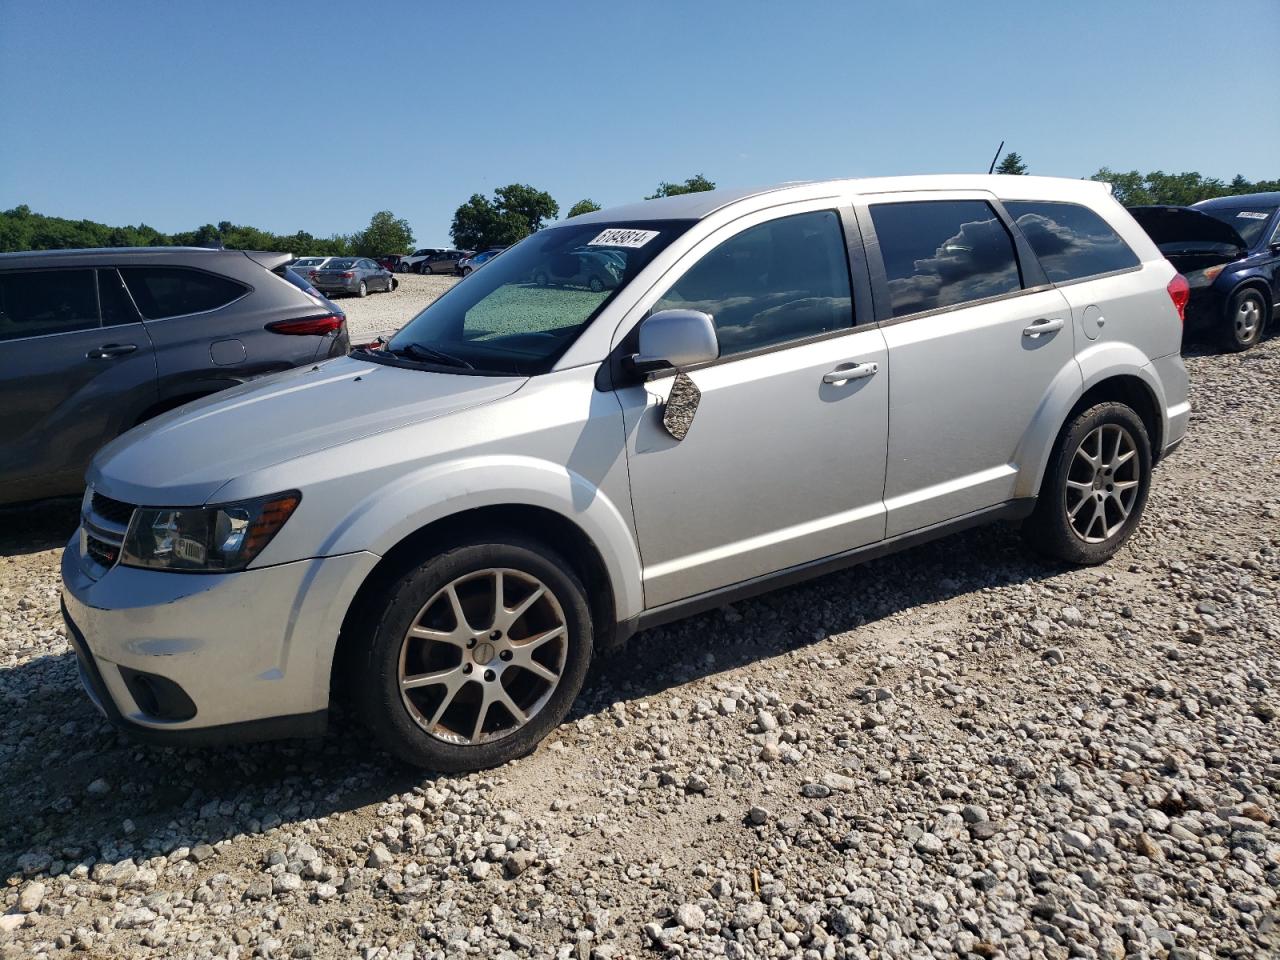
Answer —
(1071, 241)
(163, 292)
(939, 253)
(38, 302)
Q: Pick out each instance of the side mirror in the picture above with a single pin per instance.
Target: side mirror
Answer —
(675, 338)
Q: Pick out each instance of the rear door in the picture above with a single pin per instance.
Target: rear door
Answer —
(975, 335)
(76, 369)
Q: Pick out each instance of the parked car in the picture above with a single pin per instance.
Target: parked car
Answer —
(477, 260)
(306, 266)
(446, 261)
(581, 268)
(413, 262)
(93, 342)
(356, 275)
(390, 261)
(785, 382)
(1229, 250)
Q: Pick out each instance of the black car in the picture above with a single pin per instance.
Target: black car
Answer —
(93, 342)
(1228, 248)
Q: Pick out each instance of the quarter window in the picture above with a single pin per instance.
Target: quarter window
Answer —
(39, 302)
(787, 279)
(163, 292)
(940, 253)
(1071, 241)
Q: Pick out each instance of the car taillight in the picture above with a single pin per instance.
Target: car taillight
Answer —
(347, 275)
(1179, 293)
(308, 326)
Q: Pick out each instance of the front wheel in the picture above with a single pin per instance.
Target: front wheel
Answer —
(1095, 487)
(362, 290)
(466, 271)
(476, 656)
(1246, 313)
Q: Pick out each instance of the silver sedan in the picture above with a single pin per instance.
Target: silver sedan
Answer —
(358, 275)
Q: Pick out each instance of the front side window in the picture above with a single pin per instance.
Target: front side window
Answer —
(940, 253)
(784, 280)
(523, 310)
(163, 292)
(39, 302)
(1071, 241)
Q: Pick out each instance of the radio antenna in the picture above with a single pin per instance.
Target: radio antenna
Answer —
(992, 168)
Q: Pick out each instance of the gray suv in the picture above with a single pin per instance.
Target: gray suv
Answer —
(780, 383)
(93, 342)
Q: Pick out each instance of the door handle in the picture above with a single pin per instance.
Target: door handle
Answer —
(1046, 325)
(850, 371)
(109, 350)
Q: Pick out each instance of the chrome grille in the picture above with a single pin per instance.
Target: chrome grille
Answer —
(105, 523)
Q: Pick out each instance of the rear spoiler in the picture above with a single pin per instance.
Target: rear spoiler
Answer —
(267, 258)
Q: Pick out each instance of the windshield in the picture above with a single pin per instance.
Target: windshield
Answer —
(519, 314)
(1249, 222)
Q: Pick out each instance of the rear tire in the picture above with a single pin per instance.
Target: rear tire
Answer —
(503, 649)
(1095, 487)
(1245, 317)
(465, 271)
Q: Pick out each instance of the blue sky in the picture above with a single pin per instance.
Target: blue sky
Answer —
(314, 115)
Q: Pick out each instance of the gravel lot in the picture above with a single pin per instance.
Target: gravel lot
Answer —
(958, 751)
(380, 313)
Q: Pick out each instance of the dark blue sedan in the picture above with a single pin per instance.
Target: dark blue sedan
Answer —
(1228, 248)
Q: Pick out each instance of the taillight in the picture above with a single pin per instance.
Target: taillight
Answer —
(347, 275)
(1179, 293)
(308, 326)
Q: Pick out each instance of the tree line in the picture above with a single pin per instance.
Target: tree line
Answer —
(510, 214)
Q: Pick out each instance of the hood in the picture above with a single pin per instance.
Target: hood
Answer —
(182, 458)
(1175, 227)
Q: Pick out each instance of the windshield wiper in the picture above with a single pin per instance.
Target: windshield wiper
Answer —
(418, 351)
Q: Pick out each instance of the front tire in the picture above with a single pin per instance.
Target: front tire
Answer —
(466, 271)
(1095, 487)
(476, 655)
(362, 290)
(1246, 315)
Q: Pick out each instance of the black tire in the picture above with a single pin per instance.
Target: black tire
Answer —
(428, 269)
(596, 285)
(1237, 335)
(1050, 529)
(541, 279)
(378, 695)
(362, 290)
(466, 271)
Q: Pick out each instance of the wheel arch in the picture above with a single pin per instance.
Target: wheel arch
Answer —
(1116, 378)
(542, 524)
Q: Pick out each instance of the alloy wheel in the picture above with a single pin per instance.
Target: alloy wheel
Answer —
(1248, 319)
(483, 656)
(1102, 483)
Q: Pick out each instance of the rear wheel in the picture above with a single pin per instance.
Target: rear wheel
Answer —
(1246, 314)
(476, 655)
(1095, 487)
(596, 284)
(465, 271)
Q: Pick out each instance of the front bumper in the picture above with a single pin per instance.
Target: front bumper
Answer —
(248, 654)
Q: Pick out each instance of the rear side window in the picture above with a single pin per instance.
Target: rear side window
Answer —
(163, 292)
(39, 302)
(940, 253)
(787, 279)
(1071, 241)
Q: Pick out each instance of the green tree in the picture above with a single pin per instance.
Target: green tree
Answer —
(583, 206)
(695, 184)
(385, 234)
(531, 205)
(1012, 163)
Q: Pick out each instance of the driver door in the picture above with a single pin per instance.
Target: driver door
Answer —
(784, 463)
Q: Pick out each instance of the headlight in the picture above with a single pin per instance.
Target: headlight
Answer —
(1202, 278)
(205, 539)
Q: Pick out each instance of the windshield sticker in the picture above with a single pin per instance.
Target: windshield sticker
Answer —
(1250, 215)
(618, 237)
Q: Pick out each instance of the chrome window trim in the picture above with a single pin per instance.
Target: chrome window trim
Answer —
(952, 308)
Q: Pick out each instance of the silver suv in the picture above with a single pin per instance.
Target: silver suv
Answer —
(782, 382)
